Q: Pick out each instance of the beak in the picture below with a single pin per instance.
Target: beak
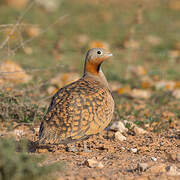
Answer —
(109, 54)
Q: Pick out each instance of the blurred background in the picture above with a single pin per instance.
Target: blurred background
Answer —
(43, 44)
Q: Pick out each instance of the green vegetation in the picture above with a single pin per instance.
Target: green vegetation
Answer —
(20, 166)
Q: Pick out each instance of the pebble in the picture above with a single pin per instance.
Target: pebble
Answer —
(178, 157)
(139, 130)
(142, 166)
(119, 136)
(93, 163)
(18, 132)
(154, 159)
(176, 93)
(173, 170)
(139, 93)
(173, 156)
(119, 126)
(134, 150)
(158, 168)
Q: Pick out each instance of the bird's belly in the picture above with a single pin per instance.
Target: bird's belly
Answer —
(102, 117)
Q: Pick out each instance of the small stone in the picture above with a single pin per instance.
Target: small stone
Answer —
(178, 157)
(132, 44)
(119, 126)
(176, 93)
(28, 50)
(119, 136)
(174, 5)
(134, 150)
(167, 85)
(93, 163)
(139, 130)
(36, 129)
(11, 72)
(158, 168)
(142, 166)
(33, 31)
(173, 156)
(139, 93)
(49, 6)
(173, 170)
(82, 39)
(137, 70)
(19, 132)
(17, 4)
(154, 159)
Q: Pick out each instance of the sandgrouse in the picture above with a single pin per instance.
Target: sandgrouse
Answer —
(82, 108)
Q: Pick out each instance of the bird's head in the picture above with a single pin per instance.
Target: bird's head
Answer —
(94, 59)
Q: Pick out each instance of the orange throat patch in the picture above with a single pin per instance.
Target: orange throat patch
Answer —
(92, 68)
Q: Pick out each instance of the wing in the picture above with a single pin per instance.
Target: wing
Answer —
(76, 111)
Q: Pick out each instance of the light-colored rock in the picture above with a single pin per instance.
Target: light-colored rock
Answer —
(49, 5)
(178, 157)
(154, 158)
(167, 85)
(142, 166)
(174, 54)
(17, 4)
(137, 70)
(139, 130)
(176, 93)
(119, 126)
(33, 31)
(174, 5)
(93, 163)
(28, 50)
(132, 44)
(173, 156)
(134, 150)
(158, 168)
(119, 136)
(139, 93)
(173, 170)
(12, 73)
(82, 39)
(19, 133)
(124, 90)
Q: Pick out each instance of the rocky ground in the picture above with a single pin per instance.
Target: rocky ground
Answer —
(118, 153)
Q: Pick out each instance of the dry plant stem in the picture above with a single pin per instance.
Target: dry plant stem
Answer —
(31, 39)
(16, 25)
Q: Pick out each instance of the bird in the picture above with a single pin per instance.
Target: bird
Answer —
(82, 108)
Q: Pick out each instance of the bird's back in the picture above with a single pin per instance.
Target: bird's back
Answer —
(77, 111)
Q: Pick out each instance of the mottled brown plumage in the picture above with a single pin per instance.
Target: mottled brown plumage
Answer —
(82, 108)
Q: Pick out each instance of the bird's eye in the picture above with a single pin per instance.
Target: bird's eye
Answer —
(98, 52)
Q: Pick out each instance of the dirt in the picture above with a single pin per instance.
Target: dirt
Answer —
(158, 151)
